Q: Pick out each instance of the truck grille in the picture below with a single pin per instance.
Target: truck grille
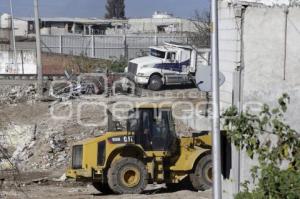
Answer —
(77, 157)
(132, 68)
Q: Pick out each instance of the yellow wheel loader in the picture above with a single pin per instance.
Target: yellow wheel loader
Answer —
(147, 152)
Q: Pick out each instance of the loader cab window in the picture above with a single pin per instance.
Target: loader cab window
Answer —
(157, 53)
(156, 131)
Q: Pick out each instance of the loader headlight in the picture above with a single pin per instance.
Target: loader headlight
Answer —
(77, 157)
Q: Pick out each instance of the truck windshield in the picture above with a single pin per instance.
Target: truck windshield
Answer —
(157, 53)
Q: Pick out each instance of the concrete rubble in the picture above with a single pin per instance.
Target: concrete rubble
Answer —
(14, 94)
(38, 145)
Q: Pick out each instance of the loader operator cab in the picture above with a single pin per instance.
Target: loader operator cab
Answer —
(154, 129)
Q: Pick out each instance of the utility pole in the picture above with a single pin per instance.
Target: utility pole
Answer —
(217, 186)
(38, 48)
(13, 37)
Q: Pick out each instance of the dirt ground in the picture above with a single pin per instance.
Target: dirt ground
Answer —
(61, 191)
(39, 144)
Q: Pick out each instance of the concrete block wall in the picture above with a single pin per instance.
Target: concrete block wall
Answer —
(269, 42)
(229, 48)
(267, 74)
(26, 62)
(230, 60)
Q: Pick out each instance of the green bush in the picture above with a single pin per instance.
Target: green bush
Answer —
(276, 184)
(117, 65)
(245, 130)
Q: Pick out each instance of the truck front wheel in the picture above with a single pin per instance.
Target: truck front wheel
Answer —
(127, 176)
(155, 83)
(201, 179)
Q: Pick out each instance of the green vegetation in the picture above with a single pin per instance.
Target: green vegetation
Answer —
(83, 64)
(117, 65)
(267, 137)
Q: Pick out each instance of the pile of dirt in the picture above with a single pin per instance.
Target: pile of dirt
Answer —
(34, 141)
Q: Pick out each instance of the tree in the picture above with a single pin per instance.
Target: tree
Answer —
(115, 9)
(201, 36)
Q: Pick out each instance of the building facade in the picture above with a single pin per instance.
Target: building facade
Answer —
(159, 23)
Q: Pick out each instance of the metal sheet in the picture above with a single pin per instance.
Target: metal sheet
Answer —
(204, 78)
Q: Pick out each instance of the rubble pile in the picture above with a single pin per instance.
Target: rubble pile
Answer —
(15, 94)
(49, 151)
(44, 146)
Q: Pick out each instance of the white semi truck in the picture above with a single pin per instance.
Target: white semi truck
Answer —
(170, 64)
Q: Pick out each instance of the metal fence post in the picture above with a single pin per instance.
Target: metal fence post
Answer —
(216, 137)
(93, 47)
(155, 40)
(60, 44)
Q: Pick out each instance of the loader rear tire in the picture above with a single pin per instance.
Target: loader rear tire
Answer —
(127, 176)
(201, 179)
(103, 188)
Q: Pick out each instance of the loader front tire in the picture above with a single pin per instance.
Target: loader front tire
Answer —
(201, 179)
(127, 176)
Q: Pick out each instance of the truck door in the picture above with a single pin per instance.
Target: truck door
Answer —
(171, 63)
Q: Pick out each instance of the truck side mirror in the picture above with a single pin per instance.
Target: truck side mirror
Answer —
(132, 125)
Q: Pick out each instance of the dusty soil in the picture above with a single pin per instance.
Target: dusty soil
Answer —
(66, 191)
(39, 143)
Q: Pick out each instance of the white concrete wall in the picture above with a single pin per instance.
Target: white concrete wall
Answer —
(149, 25)
(58, 29)
(263, 51)
(229, 49)
(264, 58)
(28, 63)
(230, 60)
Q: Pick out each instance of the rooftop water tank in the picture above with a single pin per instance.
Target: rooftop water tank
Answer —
(161, 15)
(5, 21)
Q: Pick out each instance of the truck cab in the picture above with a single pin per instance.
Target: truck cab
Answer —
(170, 64)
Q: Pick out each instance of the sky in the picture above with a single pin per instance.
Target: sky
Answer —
(96, 8)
